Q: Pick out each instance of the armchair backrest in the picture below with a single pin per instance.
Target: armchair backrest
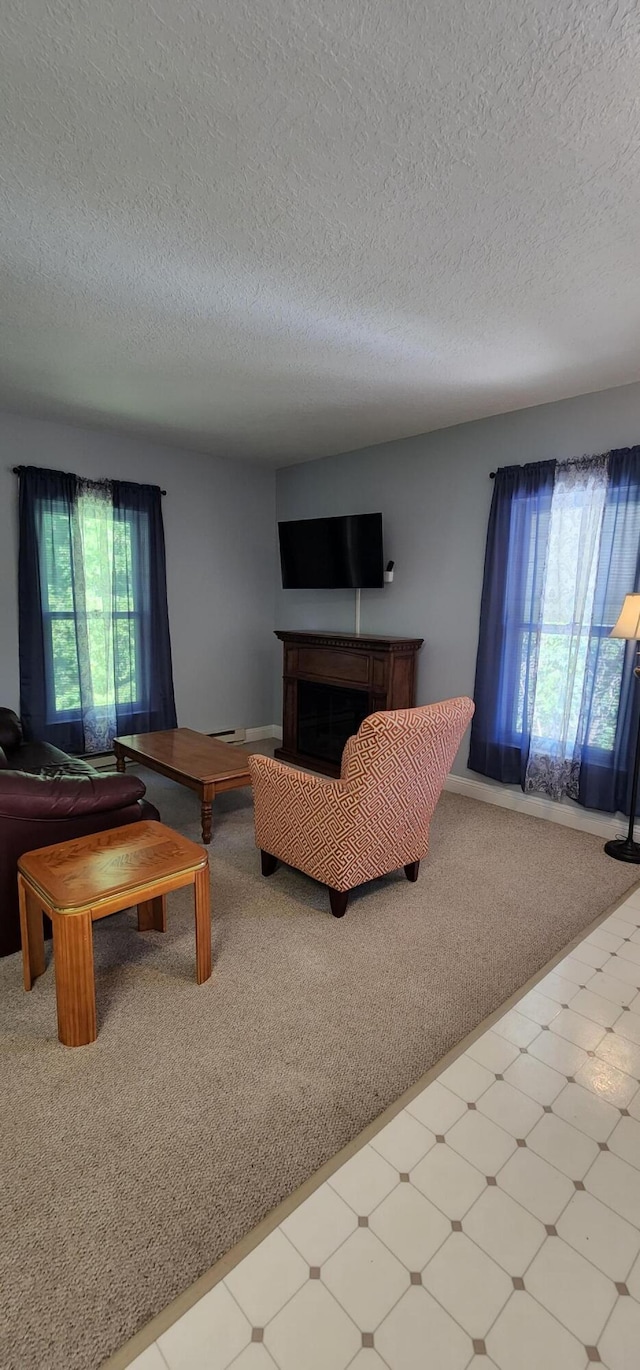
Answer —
(406, 754)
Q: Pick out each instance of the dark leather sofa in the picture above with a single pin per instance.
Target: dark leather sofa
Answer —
(46, 797)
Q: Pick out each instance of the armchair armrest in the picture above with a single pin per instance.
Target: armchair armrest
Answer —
(24, 796)
(347, 754)
(267, 769)
(302, 819)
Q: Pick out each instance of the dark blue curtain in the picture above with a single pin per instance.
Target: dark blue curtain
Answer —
(141, 507)
(509, 620)
(45, 497)
(605, 776)
(54, 608)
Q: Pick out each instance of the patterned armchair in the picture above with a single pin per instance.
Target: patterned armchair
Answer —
(376, 817)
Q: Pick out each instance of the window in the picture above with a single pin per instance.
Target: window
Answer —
(91, 607)
(95, 654)
(571, 635)
(553, 690)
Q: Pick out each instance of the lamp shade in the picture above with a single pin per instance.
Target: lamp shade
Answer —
(628, 621)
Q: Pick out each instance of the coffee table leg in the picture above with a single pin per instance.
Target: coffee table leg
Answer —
(120, 762)
(206, 810)
(32, 934)
(75, 987)
(202, 897)
(152, 914)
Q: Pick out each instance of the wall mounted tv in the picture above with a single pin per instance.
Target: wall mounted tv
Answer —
(332, 554)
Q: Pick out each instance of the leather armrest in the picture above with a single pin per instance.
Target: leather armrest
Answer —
(32, 796)
(10, 730)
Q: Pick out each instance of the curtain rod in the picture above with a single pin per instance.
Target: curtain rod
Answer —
(17, 469)
(571, 461)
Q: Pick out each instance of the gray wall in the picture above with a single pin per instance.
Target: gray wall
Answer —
(220, 540)
(434, 492)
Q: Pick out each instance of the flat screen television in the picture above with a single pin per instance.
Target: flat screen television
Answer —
(332, 554)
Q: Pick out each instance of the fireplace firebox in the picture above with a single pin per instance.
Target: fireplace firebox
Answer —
(331, 682)
(327, 716)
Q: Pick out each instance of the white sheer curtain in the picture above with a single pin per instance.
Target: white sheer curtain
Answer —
(559, 703)
(93, 583)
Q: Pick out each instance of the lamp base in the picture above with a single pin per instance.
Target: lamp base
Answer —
(623, 849)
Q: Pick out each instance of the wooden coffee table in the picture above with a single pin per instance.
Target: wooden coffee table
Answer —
(201, 763)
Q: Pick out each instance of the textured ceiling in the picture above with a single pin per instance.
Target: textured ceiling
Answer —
(276, 229)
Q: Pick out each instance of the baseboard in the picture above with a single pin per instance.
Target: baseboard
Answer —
(506, 797)
(259, 734)
(568, 815)
(509, 797)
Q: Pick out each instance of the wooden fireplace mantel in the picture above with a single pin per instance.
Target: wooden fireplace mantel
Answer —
(383, 668)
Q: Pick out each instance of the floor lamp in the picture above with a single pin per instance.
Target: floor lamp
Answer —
(628, 626)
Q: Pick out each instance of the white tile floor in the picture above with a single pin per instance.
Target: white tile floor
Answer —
(493, 1224)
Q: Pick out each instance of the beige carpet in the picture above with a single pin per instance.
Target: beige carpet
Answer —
(128, 1167)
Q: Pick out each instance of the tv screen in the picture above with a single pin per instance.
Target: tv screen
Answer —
(332, 554)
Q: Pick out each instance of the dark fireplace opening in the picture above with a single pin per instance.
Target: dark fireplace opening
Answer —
(327, 716)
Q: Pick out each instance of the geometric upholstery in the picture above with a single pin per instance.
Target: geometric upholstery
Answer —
(376, 817)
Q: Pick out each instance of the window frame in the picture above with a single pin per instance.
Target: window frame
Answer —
(600, 631)
(50, 616)
(507, 733)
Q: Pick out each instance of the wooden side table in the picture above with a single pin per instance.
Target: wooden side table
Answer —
(78, 882)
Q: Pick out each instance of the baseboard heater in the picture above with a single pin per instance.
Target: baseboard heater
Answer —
(234, 735)
(101, 761)
(105, 761)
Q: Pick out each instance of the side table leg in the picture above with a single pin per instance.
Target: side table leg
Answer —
(32, 934)
(75, 987)
(152, 914)
(202, 896)
(206, 812)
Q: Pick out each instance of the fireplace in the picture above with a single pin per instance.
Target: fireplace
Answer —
(331, 682)
(327, 716)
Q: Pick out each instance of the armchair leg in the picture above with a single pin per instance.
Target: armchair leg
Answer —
(269, 862)
(338, 900)
(411, 871)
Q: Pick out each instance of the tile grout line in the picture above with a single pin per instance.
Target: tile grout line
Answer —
(548, 1238)
(147, 1335)
(230, 1364)
(570, 1199)
(295, 1292)
(476, 1244)
(611, 1312)
(377, 1352)
(446, 1238)
(527, 1211)
(401, 1262)
(500, 1267)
